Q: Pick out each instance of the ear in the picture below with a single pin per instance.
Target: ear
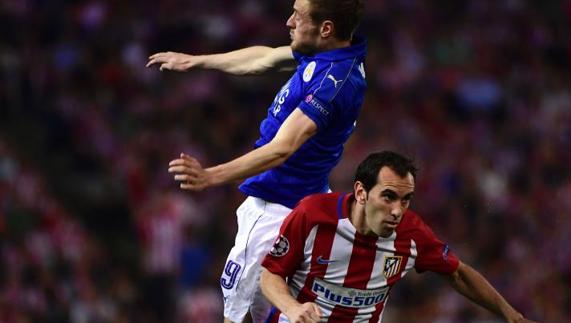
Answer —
(327, 29)
(360, 192)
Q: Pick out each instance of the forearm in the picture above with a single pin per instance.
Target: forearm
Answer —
(252, 163)
(474, 286)
(250, 60)
(276, 291)
(295, 131)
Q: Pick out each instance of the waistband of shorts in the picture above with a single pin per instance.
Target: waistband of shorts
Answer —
(269, 207)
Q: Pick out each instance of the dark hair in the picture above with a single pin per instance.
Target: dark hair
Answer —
(368, 171)
(345, 15)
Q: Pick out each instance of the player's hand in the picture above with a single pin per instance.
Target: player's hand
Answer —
(189, 173)
(523, 320)
(304, 313)
(520, 319)
(173, 61)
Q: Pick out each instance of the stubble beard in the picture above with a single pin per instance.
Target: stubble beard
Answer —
(305, 48)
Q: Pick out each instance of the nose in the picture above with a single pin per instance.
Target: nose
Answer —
(290, 22)
(397, 211)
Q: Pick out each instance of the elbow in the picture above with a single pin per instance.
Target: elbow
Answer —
(254, 69)
(240, 71)
(282, 152)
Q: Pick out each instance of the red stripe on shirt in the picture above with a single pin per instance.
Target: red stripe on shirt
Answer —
(402, 247)
(358, 274)
(274, 316)
(321, 247)
(377, 313)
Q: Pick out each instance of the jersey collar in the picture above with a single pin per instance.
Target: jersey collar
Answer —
(343, 205)
(358, 49)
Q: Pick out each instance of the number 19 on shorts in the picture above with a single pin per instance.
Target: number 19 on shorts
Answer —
(230, 274)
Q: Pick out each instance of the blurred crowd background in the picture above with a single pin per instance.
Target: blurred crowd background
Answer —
(93, 228)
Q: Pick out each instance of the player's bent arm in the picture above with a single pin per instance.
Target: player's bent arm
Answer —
(295, 130)
(470, 283)
(250, 60)
(276, 291)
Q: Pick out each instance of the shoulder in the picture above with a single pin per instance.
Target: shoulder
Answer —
(412, 225)
(320, 201)
(341, 70)
(320, 207)
(327, 79)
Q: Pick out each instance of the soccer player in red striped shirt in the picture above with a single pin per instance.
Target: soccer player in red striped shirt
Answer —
(338, 255)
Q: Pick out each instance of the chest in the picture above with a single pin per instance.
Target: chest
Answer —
(287, 98)
(350, 260)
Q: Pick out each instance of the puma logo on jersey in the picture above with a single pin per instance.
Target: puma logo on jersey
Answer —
(329, 76)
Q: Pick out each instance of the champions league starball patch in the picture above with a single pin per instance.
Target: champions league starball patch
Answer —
(281, 247)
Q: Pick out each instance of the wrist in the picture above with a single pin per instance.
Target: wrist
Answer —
(197, 61)
(513, 316)
(213, 176)
(289, 309)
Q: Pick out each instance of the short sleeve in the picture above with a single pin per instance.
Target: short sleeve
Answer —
(323, 91)
(433, 254)
(287, 252)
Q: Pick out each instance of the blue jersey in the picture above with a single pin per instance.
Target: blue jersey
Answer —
(329, 87)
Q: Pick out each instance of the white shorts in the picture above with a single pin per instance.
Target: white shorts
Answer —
(258, 226)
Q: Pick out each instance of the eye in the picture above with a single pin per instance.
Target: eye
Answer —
(406, 200)
(388, 197)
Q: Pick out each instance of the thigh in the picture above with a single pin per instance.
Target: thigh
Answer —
(259, 224)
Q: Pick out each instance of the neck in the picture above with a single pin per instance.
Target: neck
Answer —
(357, 217)
(333, 43)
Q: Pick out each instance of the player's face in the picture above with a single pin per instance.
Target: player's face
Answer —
(387, 201)
(304, 32)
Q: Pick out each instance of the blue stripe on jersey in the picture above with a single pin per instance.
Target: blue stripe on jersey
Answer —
(340, 206)
(329, 88)
(272, 313)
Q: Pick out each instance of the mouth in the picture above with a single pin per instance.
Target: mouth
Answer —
(391, 224)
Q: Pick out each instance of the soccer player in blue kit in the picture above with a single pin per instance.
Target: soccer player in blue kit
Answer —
(301, 139)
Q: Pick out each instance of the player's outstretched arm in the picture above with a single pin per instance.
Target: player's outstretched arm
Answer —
(295, 130)
(470, 283)
(250, 60)
(276, 291)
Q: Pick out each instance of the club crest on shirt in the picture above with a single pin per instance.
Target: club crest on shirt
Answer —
(391, 266)
(281, 247)
(308, 72)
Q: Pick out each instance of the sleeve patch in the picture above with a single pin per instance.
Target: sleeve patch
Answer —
(308, 72)
(281, 247)
(316, 104)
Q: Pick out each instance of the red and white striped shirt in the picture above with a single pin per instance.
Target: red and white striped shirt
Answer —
(348, 274)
